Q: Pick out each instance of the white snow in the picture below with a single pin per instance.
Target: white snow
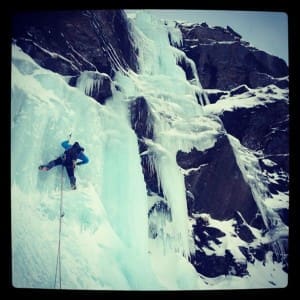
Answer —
(251, 98)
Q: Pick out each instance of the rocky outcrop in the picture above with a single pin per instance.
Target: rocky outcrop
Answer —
(215, 184)
(141, 123)
(264, 127)
(224, 61)
(94, 84)
(70, 42)
(215, 265)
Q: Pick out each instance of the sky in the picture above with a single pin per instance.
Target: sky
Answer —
(267, 31)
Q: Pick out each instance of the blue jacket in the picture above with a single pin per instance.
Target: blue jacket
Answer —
(84, 159)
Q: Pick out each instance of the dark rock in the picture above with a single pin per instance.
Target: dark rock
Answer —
(260, 251)
(245, 233)
(245, 251)
(215, 232)
(142, 124)
(224, 62)
(218, 186)
(48, 60)
(215, 96)
(213, 265)
(258, 222)
(205, 34)
(258, 79)
(73, 80)
(266, 63)
(150, 175)
(242, 229)
(239, 90)
(104, 91)
(186, 66)
(141, 120)
(210, 266)
(72, 41)
(264, 127)
(233, 32)
(284, 215)
(101, 88)
(282, 83)
(206, 234)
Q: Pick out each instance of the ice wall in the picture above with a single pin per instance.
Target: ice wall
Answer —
(104, 241)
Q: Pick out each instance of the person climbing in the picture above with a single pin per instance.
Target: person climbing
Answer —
(68, 160)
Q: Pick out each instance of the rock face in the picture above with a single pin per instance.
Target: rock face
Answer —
(70, 42)
(217, 186)
(224, 61)
(141, 122)
(264, 128)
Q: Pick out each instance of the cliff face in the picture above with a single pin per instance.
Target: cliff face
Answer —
(70, 42)
(224, 61)
(98, 44)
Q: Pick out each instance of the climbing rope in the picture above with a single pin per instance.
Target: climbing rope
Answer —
(61, 214)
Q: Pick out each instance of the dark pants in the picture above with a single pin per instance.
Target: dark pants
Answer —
(67, 164)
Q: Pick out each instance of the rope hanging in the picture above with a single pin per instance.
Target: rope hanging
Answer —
(61, 214)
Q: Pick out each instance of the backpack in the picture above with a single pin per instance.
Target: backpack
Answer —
(73, 152)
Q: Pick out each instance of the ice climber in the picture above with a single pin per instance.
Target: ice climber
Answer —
(68, 160)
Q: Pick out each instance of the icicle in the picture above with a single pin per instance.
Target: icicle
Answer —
(90, 82)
